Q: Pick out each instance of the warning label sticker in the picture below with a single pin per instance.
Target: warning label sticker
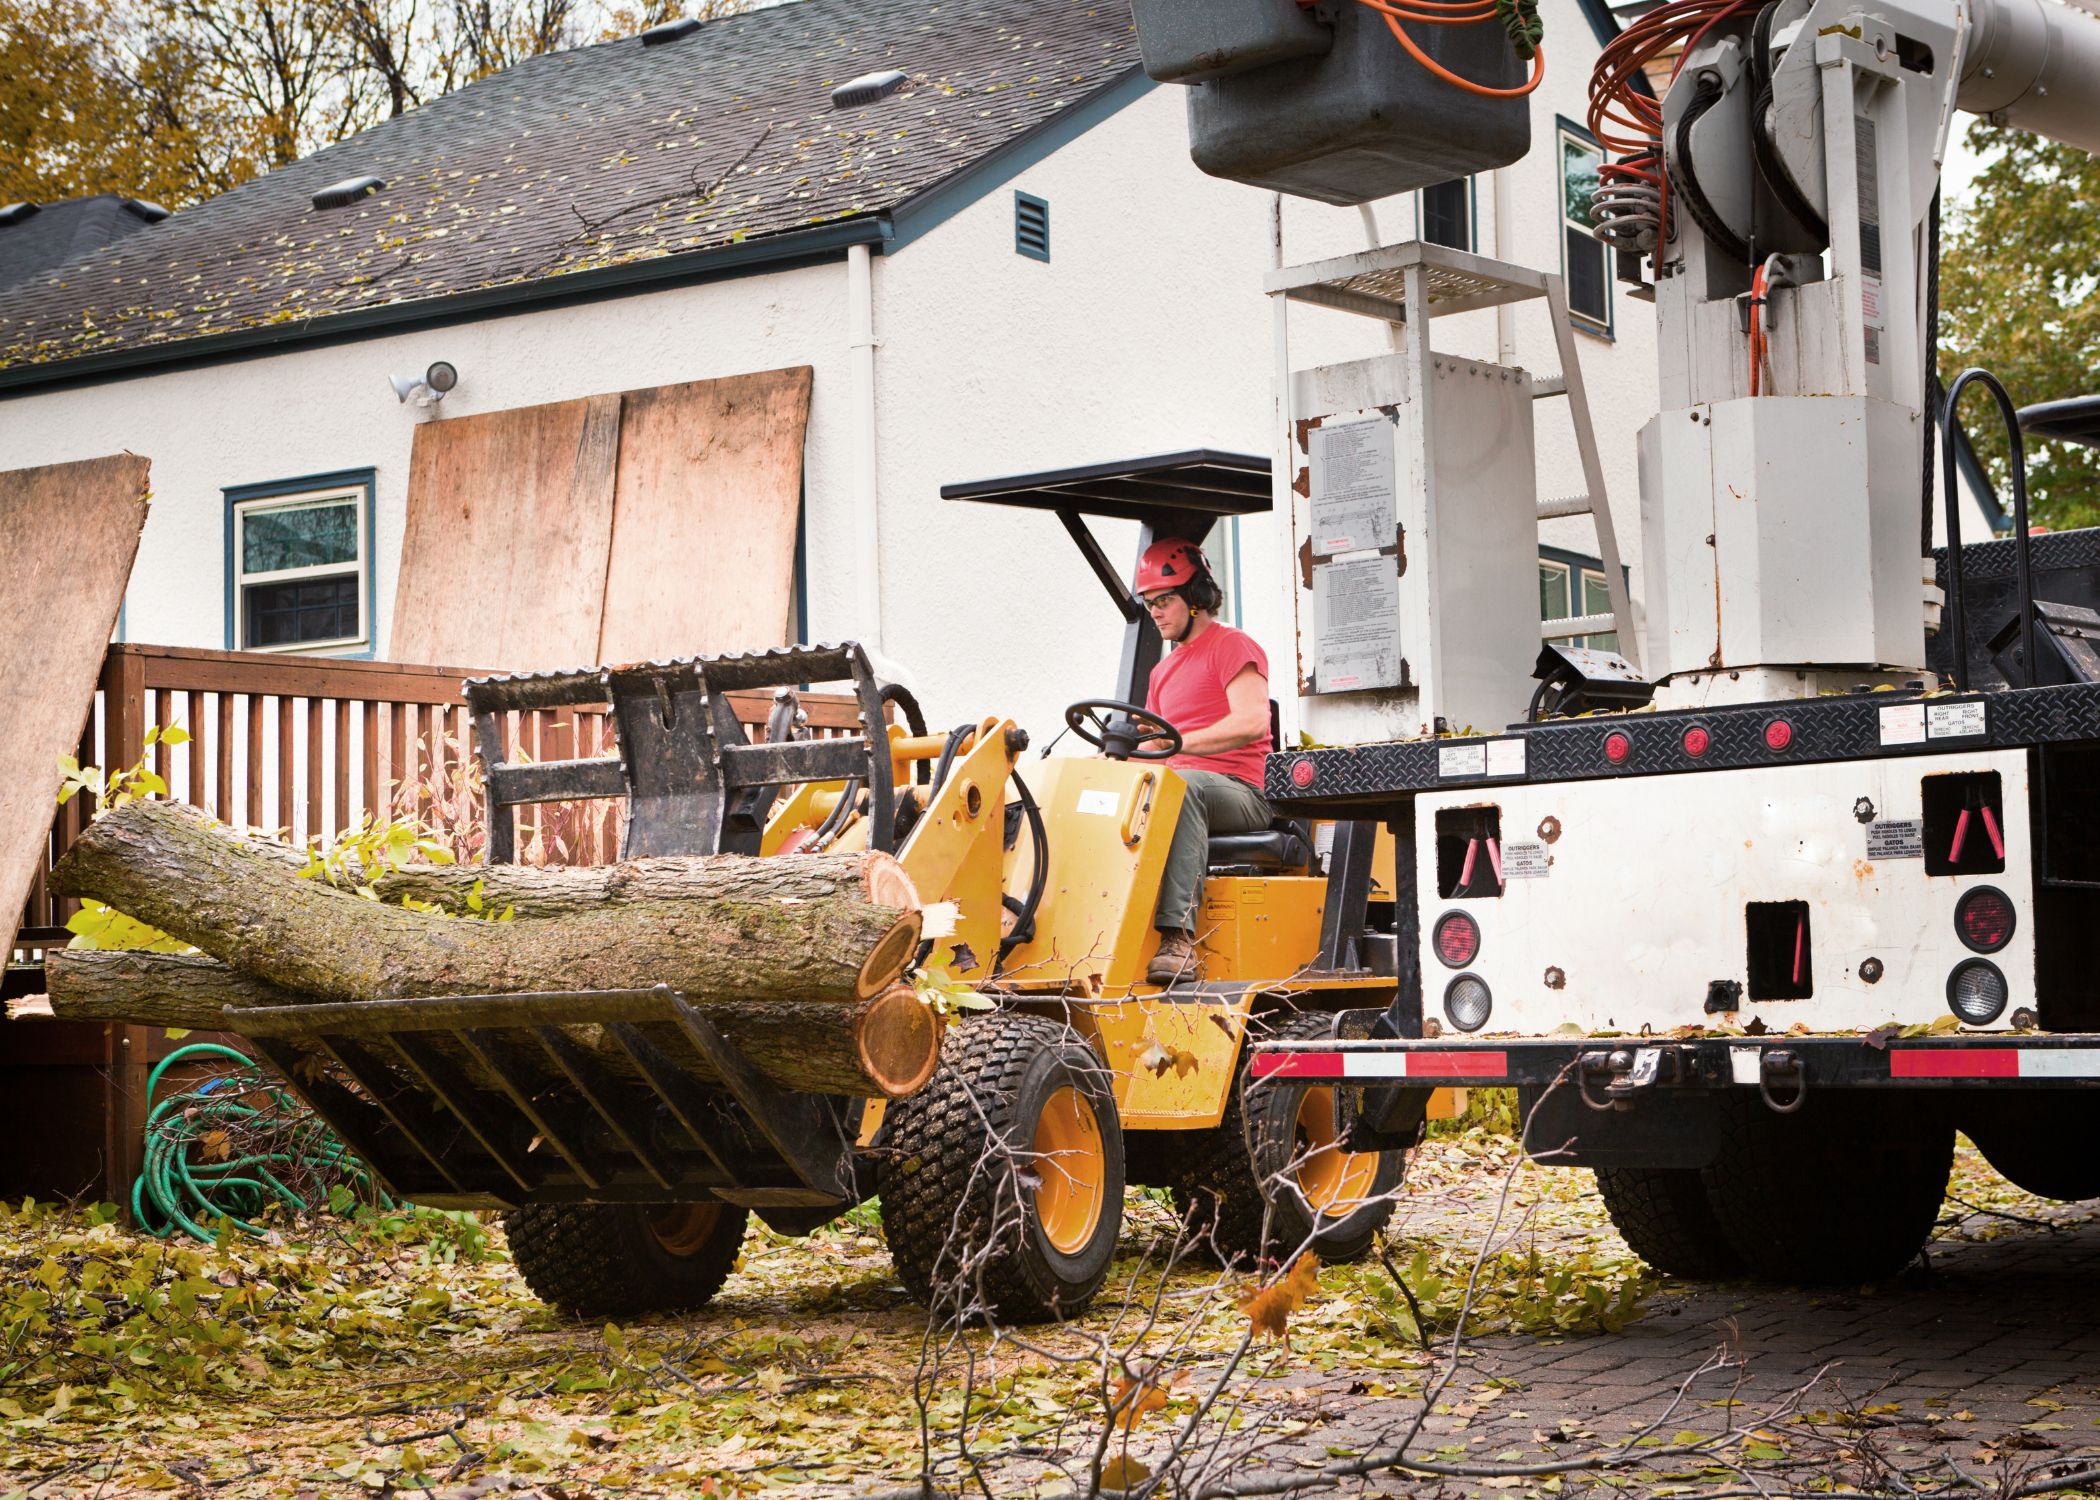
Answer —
(1462, 760)
(1896, 838)
(1526, 859)
(1903, 724)
(1100, 801)
(1954, 721)
(1505, 757)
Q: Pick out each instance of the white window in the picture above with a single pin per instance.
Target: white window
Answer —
(300, 580)
(1445, 213)
(1222, 549)
(1557, 585)
(1584, 263)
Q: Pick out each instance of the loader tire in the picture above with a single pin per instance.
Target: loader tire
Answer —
(1844, 1191)
(1663, 1215)
(1280, 1136)
(1002, 1181)
(595, 1260)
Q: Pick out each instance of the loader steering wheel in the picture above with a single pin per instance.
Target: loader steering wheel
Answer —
(1123, 737)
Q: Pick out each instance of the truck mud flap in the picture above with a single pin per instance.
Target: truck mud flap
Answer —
(480, 1101)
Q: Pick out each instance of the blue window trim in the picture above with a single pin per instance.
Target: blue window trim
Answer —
(1610, 329)
(337, 479)
(1029, 200)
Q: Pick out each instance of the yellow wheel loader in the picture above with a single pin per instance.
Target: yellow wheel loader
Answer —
(1064, 1078)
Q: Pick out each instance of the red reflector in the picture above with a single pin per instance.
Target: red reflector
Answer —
(1696, 740)
(1457, 939)
(1303, 771)
(1617, 747)
(1778, 735)
(1985, 920)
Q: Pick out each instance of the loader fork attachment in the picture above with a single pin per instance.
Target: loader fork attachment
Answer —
(694, 783)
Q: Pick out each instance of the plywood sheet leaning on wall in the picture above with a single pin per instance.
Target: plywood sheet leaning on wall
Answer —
(703, 545)
(650, 523)
(68, 535)
(509, 520)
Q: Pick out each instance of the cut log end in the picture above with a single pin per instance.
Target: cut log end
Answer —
(899, 1040)
(892, 953)
(888, 883)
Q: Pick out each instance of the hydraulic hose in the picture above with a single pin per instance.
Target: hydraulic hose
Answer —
(1024, 916)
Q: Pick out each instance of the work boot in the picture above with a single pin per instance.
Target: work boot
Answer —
(1176, 960)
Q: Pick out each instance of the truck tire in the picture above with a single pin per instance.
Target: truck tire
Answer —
(1269, 1180)
(1663, 1215)
(1845, 1190)
(595, 1260)
(1002, 1181)
(2040, 1143)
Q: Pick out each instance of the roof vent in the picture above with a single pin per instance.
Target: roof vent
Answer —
(15, 213)
(669, 31)
(348, 191)
(867, 89)
(146, 209)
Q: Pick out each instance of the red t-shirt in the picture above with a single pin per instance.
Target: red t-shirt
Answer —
(1188, 691)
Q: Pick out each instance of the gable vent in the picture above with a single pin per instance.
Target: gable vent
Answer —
(348, 191)
(867, 88)
(1031, 227)
(669, 31)
(15, 213)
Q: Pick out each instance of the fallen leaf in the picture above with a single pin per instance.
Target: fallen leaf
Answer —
(1269, 1308)
(1133, 1397)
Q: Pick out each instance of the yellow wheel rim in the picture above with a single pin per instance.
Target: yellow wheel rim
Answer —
(1071, 1164)
(685, 1228)
(1335, 1182)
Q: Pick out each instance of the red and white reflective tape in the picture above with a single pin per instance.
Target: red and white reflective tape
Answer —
(1355, 1065)
(1994, 1062)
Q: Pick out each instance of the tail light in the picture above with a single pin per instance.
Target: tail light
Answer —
(1457, 939)
(1617, 747)
(1697, 741)
(1976, 991)
(1467, 1002)
(1985, 919)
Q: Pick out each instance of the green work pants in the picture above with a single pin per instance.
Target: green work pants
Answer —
(1216, 803)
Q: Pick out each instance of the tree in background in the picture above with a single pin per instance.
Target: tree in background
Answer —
(2018, 277)
(176, 100)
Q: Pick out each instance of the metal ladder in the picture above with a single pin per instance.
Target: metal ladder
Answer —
(1413, 282)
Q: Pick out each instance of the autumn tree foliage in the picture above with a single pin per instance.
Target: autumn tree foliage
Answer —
(176, 100)
(2019, 269)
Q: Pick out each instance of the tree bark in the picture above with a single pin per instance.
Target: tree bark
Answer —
(888, 1045)
(569, 890)
(759, 940)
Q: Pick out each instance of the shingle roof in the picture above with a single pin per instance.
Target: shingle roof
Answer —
(37, 236)
(597, 157)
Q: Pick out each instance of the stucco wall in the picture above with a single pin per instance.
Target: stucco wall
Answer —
(1146, 332)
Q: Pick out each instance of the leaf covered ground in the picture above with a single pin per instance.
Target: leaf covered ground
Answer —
(401, 1353)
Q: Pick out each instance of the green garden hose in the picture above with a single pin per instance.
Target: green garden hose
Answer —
(228, 1148)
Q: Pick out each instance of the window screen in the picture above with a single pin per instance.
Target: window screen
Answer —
(1583, 260)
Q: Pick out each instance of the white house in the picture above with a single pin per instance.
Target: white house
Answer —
(1006, 265)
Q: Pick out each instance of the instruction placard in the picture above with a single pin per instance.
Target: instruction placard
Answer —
(1903, 724)
(1955, 721)
(1896, 838)
(1356, 624)
(1526, 859)
(1355, 499)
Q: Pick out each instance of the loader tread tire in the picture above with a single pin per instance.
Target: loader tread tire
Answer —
(964, 1189)
(1220, 1190)
(595, 1260)
(1845, 1191)
(1663, 1215)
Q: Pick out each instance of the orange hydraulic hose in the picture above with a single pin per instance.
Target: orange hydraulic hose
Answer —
(1450, 13)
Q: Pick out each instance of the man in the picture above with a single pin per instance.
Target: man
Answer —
(1214, 688)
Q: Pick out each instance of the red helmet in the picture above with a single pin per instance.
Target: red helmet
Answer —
(1170, 564)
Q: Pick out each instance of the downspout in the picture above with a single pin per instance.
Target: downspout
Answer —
(1505, 314)
(865, 491)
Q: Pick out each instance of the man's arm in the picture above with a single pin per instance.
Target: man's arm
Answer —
(1246, 719)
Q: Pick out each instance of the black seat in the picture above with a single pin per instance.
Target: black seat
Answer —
(1285, 844)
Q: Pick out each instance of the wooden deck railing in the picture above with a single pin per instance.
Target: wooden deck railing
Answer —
(307, 746)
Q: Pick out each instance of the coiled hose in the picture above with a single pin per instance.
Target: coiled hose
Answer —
(228, 1148)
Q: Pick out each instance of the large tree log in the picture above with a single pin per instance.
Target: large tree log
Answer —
(888, 1045)
(165, 864)
(565, 890)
